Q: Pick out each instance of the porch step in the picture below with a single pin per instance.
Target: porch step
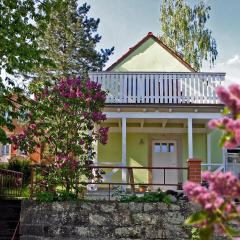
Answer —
(9, 217)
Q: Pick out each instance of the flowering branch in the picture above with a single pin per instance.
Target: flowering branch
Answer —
(220, 212)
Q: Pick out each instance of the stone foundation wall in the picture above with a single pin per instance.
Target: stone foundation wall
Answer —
(104, 220)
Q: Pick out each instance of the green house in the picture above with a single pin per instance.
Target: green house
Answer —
(158, 108)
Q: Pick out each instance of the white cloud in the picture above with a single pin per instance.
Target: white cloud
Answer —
(234, 60)
(230, 66)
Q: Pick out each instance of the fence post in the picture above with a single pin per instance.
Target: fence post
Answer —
(194, 170)
(130, 172)
(32, 182)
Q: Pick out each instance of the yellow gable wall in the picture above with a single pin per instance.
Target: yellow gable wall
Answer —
(150, 57)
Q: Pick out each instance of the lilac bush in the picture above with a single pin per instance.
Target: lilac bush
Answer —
(219, 202)
(230, 123)
(64, 121)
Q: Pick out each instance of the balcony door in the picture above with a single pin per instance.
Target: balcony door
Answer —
(164, 154)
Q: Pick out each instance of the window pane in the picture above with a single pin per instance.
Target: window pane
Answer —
(157, 148)
(7, 149)
(2, 150)
(171, 147)
(164, 147)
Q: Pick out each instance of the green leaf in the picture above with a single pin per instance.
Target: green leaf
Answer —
(232, 232)
(206, 233)
(226, 111)
(196, 218)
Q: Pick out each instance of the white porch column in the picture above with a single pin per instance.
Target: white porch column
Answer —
(209, 151)
(124, 152)
(190, 139)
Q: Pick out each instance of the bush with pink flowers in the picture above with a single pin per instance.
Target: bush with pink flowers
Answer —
(230, 123)
(220, 208)
(64, 121)
(220, 213)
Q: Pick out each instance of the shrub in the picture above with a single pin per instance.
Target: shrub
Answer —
(64, 121)
(21, 165)
(219, 210)
(45, 196)
(147, 197)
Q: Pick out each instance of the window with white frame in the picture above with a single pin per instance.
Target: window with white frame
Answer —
(5, 150)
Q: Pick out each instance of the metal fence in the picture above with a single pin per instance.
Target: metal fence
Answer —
(10, 183)
(130, 179)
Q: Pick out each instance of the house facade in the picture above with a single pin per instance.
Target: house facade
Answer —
(158, 108)
(7, 151)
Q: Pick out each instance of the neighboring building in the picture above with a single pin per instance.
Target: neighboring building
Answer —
(158, 108)
(7, 151)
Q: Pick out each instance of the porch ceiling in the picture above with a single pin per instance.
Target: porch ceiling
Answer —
(157, 123)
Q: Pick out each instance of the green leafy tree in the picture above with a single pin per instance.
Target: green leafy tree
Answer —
(21, 24)
(184, 30)
(70, 41)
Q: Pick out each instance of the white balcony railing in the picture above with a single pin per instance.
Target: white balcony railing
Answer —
(159, 87)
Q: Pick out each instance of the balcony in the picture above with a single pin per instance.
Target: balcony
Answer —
(159, 87)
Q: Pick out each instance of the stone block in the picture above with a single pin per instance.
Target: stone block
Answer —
(99, 220)
(174, 207)
(108, 207)
(35, 230)
(150, 207)
(144, 218)
(134, 231)
(135, 207)
(174, 218)
(162, 206)
(121, 219)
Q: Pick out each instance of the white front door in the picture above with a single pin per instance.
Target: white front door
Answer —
(164, 154)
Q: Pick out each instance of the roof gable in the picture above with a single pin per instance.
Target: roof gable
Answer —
(150, 54)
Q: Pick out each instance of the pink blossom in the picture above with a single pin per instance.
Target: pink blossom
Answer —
(33, 126)
(238, 209)
(214, 123)
(221, 186)
(66, 105)
(223, 95)
(235, 90)
(103, 135)
(230, 144)
(81, 142)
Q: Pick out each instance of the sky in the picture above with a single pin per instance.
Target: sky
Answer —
(123, 23)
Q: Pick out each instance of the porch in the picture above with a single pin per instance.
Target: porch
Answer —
(163, 138)
(159, 119)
